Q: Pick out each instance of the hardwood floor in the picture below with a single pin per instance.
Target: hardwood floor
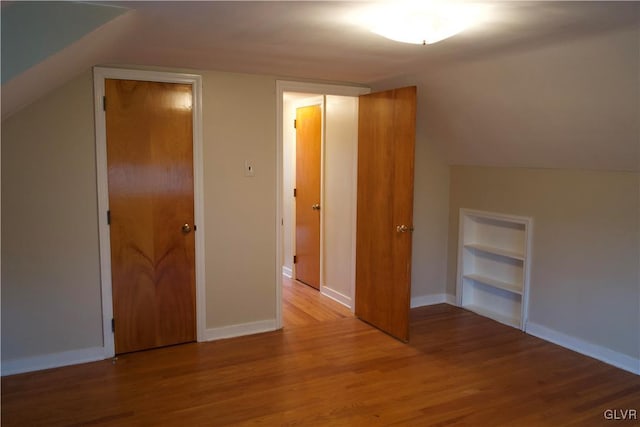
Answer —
(328, 368)
(302, 305)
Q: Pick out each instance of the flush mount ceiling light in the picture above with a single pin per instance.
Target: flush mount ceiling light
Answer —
(419, 22)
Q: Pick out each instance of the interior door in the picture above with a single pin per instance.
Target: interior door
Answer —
(386, 140)
(150, 178)
(308, 152)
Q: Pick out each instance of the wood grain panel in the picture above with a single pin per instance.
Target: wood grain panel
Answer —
(459, 369)
(150, 177)
(308, 152)
(386, 140)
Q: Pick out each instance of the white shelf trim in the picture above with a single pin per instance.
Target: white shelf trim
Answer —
(482, 283)
(506, 286)
(498, 317)
(495, 251)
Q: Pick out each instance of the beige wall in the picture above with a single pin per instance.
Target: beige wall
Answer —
(239, 113)
(339, 209)
(50, 263)
(584, 265)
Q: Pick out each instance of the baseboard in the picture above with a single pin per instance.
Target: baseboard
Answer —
(603, 354)
(432, 299)
(286, 271)
(239, 330)
(337, 296)
(54, 360)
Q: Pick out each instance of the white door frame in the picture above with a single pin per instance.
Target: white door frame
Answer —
(283, 86)
(100, 74)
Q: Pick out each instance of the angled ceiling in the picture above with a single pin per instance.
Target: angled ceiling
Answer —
(33, 31)
(304, 39)
(316, 40)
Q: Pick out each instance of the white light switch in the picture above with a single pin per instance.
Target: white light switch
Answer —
(249, 170)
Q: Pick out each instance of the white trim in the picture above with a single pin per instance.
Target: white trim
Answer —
(527, 222)
(99, 76)
(283, 86)
(287, 272)
(424, 300)
(54, 360)
(606, 355)
(337, 297)
(240, 330)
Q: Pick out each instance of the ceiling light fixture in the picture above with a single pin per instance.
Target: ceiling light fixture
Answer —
(419, 22)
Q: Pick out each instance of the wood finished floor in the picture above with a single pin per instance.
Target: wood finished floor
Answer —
(328, 368)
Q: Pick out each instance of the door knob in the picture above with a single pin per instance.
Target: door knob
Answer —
(403, 228)
(316, 207)
(186, 228)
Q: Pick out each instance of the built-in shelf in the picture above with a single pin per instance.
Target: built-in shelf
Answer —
(509, 287)
(496, 251)
(493, 265)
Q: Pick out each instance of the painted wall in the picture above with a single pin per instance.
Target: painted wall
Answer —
(584, 266)
(50, 274)
(340, 180)
(50, 263)
(239, 113)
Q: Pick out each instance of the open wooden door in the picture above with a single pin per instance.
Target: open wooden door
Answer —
(151, 202)
(308, 156)
(386, 140)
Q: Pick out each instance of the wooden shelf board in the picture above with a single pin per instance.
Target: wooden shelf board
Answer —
(506, 286)
(496, 251)
(507, 320)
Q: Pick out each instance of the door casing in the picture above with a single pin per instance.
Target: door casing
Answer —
(283, 86)
(100, 74)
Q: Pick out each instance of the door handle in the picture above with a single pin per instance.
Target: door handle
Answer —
(403, 228)
(186, 228)
(316, 207)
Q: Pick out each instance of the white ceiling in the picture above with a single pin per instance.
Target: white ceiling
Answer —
(313, 39)
(512, 77)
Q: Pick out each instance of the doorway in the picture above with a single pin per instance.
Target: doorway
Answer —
(192, 102)
(384, 221)
(338, 157)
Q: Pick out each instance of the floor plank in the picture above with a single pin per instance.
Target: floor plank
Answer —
(328, 368)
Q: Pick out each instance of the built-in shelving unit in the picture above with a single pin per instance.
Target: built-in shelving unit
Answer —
(493, 265)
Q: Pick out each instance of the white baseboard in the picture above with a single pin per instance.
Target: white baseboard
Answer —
(239, 330)
(286, 271)
(603, 354)
(432, 299)
(55, 360)
(337, 296)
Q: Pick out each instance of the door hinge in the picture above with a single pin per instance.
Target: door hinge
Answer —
(295, 192)
(295, 259)
(295, 124)
(104, 103)
(113, 325)
(108, 217)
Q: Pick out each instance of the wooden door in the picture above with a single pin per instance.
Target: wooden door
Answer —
(308, 148)
(386, 140)
(150, 178)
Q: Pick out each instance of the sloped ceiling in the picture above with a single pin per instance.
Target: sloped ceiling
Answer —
(314, 40)
(33, 31)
